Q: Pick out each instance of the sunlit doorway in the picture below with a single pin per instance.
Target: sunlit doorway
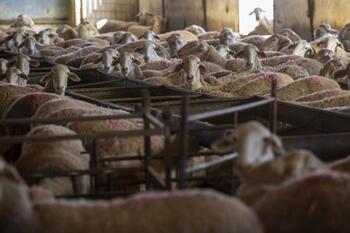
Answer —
(247, 22)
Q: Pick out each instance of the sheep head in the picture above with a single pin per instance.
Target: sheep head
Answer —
(276, 43)
(303, 48)
(193, 66)
(3, 66)
(29, 44)
(228, 37)
(289, 33)
(250, 54)
(148, 50)
(124, 38)
(324, 55)
(150, 35)
(175, 42)
(330, 43)
(57, 79)
(126, 62)
(196, 30)
(16, 77)
(108, 58)
(254, 144)
(258, 13)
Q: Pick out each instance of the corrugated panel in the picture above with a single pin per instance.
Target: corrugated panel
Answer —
(223, 13)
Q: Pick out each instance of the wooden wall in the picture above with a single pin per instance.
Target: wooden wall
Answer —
(293, 14)
(211, 14)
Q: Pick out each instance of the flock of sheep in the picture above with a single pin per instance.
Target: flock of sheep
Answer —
(280, 191)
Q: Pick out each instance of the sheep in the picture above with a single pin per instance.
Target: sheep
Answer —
(175, 42)
(228, 37)
(123, 38)
(24, 62)
(324, 55)
(139, 30)
(294, 71)
(233, 83)
(67, 215)
(278, 60)
(209, 35)
(63, 59)
(312, 66)
(261, 85)
(304, 87)
(316, 203)
(57, 104)
(343, 73)
(156, 22)
(148, 50)
(293, 36)
(266, 25)
(249, 61)
(86, 30)
(276, 43)
(8, 93)
(341, 100)
(57, 79)
(321, 95)
(48, 37)
(3, 67)
(327, 42)
(67, 32)
(302, 48)
(149, 35)
(196, 30)
(56, 156)
(23, 20)
(188, 36)
(129, 66)
(256, 40)
(331, 67)
(324, 30)
(16, 77)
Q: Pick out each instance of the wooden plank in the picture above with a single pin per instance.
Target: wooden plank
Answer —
(183, 13)
(293, 14)
(335, 12)
(223, 13)
(153, 6)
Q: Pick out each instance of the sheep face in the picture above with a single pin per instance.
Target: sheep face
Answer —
(150, 35)
(126, 38)
(23, 63)
(250, 54)
(57, 79)
(228, 37)
(149, 52)
(16, 77)
(45, 37)
(126, 62)
(324, 55)
(331, 43)
(302, 48)
(3, 66)
(108, 58)
(18, 37)
(176, 42)
(192, 66)
(253, 142)
(29, 45)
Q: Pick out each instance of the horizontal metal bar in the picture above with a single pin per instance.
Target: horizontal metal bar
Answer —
(20, 121)
(154, 121)
(234, 109)
(98, 135)
(210, 164)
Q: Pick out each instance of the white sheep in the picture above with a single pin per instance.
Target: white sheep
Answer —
(321, 95)
(91, 216)
(16, 77)
(57, 79)
(58, 156)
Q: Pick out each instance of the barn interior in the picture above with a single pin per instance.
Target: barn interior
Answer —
(187, 116)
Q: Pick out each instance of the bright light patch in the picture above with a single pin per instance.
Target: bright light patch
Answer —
(247, 22)
(101, 23)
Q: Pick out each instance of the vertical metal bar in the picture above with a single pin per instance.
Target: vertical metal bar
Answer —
(93, 166)
(184, 142)
(273, 110)
(235, 119)
(147, 139)
(73, 180)
(167, 148)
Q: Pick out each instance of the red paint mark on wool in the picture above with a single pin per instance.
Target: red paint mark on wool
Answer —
(33, 97)
(113, 123)
(270, 76)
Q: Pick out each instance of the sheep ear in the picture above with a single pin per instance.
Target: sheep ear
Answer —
(157, 37)
(203, 68)
(34, 63)
(24, 76)
(340, 74)
(138, 50)
(116, 61)
(136, 61)
(46, 77)
(238, 54)
(224, 145)
(73, 77)
(178, 67)
(262, 54)
(252, 13)
(341, 45)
